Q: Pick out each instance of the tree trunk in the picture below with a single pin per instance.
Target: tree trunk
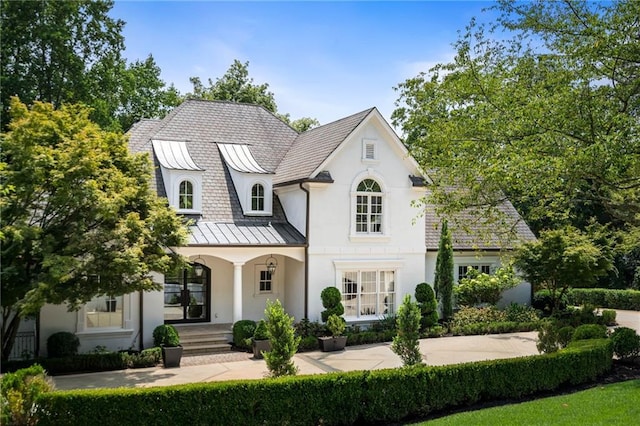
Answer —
(10, 325)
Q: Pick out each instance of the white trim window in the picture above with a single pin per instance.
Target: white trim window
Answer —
(483, 268)
(257, 198)
(368, 293)
(265, 281)
(104, 312)
(368, 218)
(185, 195)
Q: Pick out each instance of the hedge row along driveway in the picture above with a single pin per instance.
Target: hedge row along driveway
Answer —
(336, 398)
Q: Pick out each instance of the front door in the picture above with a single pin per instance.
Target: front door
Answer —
(187, 295)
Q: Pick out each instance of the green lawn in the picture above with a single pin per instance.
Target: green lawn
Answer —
(616, 404)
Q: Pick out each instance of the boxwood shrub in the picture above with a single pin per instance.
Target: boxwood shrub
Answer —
(92, 362)
(243, 330)
(605, 298)
(363, 397)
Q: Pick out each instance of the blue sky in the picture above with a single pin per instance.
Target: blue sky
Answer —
(321, 59)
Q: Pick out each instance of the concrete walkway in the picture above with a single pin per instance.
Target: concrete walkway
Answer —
(240, 365)
(436, 351)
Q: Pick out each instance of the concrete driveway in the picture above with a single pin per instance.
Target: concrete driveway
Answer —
(240, 365)
(235, 365)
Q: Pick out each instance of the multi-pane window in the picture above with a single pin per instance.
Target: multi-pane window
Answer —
(369, 207)
(368, 293)
(104, 312)
(265, 282)
(463, 269)
(257, 197)
(185, 195)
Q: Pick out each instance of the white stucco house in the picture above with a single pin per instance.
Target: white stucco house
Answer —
(279, 215)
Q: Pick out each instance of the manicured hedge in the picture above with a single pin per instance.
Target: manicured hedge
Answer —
(605, 298)
(92, 362)
(493, 328)
(337, 398)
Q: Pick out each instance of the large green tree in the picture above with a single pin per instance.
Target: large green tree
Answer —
(563, 258)
(78, 216)
(236, 86)
(543, 106)
(71, 52)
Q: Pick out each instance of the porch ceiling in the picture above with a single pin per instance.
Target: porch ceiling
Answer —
(251, 234)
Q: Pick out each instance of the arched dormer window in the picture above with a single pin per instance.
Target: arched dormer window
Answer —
(185, 195)
(368, 218)
(257, 197)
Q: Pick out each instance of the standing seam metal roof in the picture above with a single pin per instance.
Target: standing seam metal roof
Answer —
(239, 158)
(174, 155)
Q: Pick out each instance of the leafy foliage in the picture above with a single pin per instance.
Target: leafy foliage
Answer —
(589, 331)
(626, 343)
(541, 106)
(284, 343)
(358, 397)
(426, 298)
(560, 259)
(336, 325)
(261, 332)
(235, 86)
(406, 343)
(544, 302)
(444, 272)
(242, 331)
(71, 52)
(19, 392)
(472, 315)
(166, 335)
(553, 337)
(479, 288)
(78, 216)
(602, 297)
(332, 303)
(521, 313)
(61, 344)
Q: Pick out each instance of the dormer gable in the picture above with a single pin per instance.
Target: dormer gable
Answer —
(254, 184)
(181, 175)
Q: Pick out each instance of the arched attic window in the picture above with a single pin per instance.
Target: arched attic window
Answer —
(257, 197)
(185, 195)
(368, 207)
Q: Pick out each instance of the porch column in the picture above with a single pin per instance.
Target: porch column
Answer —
(237, 291)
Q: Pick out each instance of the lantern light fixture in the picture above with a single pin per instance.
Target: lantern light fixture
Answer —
(198, 269)
(272, 264)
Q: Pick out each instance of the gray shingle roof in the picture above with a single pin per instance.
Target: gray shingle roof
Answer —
(468, 232)
(311, 148)
(201, 125)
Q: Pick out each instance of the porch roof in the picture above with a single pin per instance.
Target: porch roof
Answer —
(244, 233)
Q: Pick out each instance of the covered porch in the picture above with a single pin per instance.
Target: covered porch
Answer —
(236, 282)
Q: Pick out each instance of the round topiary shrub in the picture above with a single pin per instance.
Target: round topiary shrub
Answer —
(166, 335)
(62, 344)
(332, 302)
(626, 343)
(242, 331)
(590, 331)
